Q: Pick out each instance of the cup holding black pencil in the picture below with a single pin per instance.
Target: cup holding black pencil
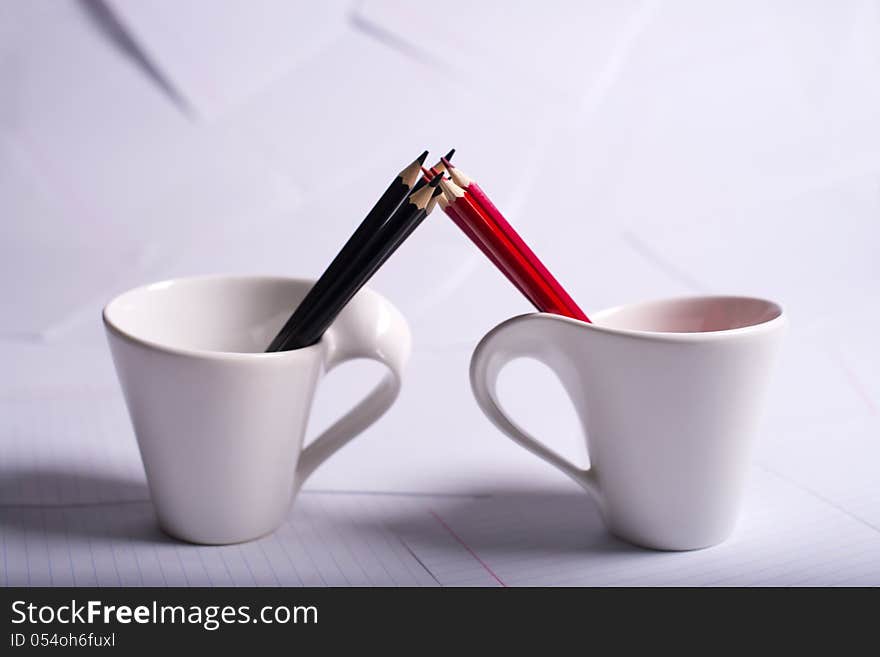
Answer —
(220, 417)
(220, 423)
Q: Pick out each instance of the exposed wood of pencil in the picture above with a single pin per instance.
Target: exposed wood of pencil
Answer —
(374, 254)
(429, 174)
(472, 189)
(381, 211)
(407, 227)
(433, 203)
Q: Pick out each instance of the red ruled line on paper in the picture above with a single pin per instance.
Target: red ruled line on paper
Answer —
(466, 547)
(857, 385)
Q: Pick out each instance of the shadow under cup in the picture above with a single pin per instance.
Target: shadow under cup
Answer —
(220, 424)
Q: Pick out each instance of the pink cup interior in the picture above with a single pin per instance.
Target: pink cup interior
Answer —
(690, 315)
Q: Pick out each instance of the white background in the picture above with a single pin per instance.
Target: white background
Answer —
(643, 148)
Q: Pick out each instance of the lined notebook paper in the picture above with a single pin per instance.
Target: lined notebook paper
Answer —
(75, 510)
(328, 541)
(351, 539)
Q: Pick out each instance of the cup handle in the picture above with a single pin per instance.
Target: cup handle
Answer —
(375, 331)
(520, 338)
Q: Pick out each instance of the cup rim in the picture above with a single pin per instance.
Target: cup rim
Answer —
(113, 326)
(780, 319)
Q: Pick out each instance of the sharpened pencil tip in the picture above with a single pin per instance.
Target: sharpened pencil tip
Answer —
(435, 181)
(421, 158)
(449, 155)
(426, 173)
(446, 162)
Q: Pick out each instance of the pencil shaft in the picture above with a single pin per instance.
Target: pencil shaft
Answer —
(369, 259)
(566, 304)
(473, 234)
(503, 253)
(384, 207)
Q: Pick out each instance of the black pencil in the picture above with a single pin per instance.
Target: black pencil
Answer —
(386, 205)
(374, 254)
(421, 182)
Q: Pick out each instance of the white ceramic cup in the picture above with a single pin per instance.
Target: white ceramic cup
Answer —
(669, 395)
(220, 423)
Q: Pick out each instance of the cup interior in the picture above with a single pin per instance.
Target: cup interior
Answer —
(690, 315)
(218, 314)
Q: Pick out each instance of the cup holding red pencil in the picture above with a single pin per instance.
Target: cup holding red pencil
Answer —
(668, 392)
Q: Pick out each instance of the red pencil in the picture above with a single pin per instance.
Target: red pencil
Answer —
(500, 249)
(472, 232)
(558, 300)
